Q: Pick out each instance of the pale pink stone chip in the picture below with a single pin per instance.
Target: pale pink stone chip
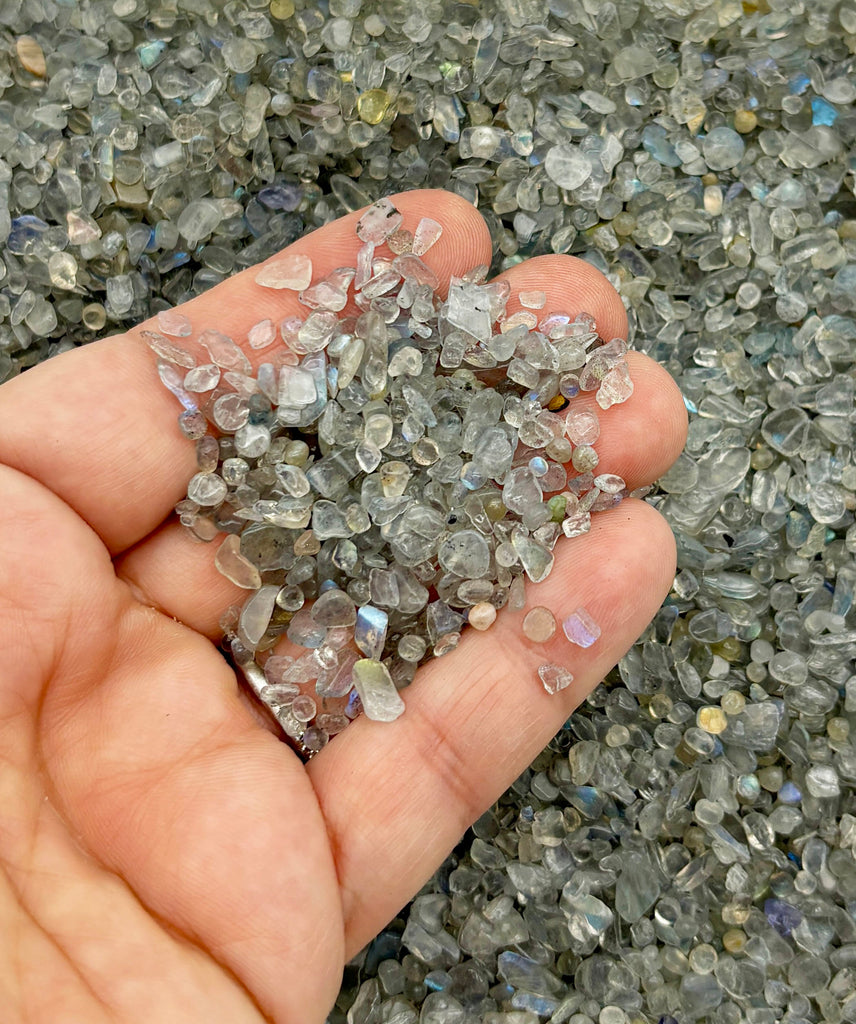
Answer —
(292, 271)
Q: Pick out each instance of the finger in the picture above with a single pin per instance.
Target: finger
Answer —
(397, 797)
(109, 444)
(571, 286)
(640, 439)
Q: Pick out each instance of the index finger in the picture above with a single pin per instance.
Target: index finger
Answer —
(97, 427)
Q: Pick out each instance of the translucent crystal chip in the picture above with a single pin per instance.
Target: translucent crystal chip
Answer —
(62, 267)
(292, 271)
(427, 234)
(224, 352)
(583, 427)
(262, 334)
(533, 299)
(373, 105)
(234, 566)
(584, 458)
(230, 412)
(256, 615)
(723, 148)
(198, 219)
(174, 323)
(580, 628)
(296, 387)
(567, 165)
(470, 309)
(380, 700)
(331, 293)
(554, 678)
(370, 630)
(202, 378)
(615, 388)
(164, 348)
(334, 608)
(378, 222)
(610, 483)
(411, 647)
(173, 380)
(192, 424)
(539, 625)
(465, 553)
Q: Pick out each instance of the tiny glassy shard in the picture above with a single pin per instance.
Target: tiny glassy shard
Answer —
(580, 628)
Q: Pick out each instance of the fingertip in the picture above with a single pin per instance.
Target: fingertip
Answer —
(465, 242)
(572, 286)
(642, 437)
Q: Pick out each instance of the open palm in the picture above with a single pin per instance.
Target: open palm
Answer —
(163, 857)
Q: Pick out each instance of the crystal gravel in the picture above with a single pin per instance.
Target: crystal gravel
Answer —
(387, 475)
(683, 850)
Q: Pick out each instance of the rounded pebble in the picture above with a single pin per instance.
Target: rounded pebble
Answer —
(539, 625)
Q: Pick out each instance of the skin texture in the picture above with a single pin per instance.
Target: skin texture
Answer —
(163, 856)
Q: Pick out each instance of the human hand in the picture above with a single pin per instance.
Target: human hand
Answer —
(164, 856)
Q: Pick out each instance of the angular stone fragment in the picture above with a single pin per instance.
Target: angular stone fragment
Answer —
(567, 166)
(427, 233)
(580, 628)
(164, 348)
(81, 228)
(554, 678)
(616, 387)
(536, 559)
(262, 334)
(173, 323)
(296, 387)
(465, 553)
(256, 615)
(62, 267)
(173, 380)
(378, 222)
(234, 566)
(202, 378)
(533, 299)
(370, 630)
(224, 352)
(334, 608)
(292, 271)
(378, 695)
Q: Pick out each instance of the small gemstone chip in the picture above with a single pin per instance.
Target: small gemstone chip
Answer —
(262, 334)
(554, 678)
(427, 233)
(173, 323)
(293, 272)
(381, 701)
(482, 615)
(580, 628)
(533, 300)
(539, 624)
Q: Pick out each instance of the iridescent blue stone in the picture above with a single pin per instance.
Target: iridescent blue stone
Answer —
(26, 231)
(656, 142)
(782, 916)
(370, 631)
(281, 197)
(790, 794)
(822, 112)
